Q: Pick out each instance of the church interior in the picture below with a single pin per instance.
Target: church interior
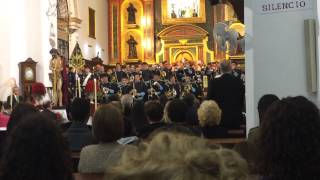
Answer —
(159, 89)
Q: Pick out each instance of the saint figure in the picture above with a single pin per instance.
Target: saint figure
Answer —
(131, 14)
(132, 48)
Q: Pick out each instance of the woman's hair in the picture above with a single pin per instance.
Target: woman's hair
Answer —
(289, 143)
(36, 150)
(209, 113)
(127, 103)
(166, 118)
(107, 124)
(185, 157)
(20, 111)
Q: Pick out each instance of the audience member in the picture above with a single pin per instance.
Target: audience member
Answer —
(289, 146)
(209, 115)
(177, 111)
(36, 150)
(154, 114)
(15, 98)
(4, 114)
(107, 128)
(228, 92)
(47, 111)
(186, 157)
(21, 110)
(79, 133)
(138, 118)
(264, 103)
(125, 107)
(191, 111)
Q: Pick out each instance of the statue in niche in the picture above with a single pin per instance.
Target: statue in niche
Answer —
(132, 48)
(173, 14)
(194, 14)
(131, 14)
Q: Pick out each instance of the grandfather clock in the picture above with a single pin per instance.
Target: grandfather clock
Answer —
(28, 76)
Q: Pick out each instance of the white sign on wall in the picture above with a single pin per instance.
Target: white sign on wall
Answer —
(277, 6)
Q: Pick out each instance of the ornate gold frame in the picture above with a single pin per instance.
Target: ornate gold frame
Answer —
(167, 20)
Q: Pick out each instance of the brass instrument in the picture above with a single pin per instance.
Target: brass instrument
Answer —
(120, 89)
(134, 91)
(105, 90)
(152, 92)
(163, 75)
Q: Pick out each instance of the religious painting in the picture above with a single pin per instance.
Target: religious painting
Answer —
(182, 11)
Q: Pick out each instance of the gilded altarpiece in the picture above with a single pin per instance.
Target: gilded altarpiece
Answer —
(123, 28)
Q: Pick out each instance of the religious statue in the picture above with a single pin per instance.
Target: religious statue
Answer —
(56, 66)
(173, 14)
(194, 14)
(132, 48)
(131, 14)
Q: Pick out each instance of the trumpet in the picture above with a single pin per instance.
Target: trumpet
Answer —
(163, 74)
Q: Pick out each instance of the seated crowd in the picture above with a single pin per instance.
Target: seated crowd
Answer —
(160, 140)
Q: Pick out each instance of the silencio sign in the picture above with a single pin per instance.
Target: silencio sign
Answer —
(277, 6)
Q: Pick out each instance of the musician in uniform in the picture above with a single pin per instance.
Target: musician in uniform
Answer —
(119, 74)
(146, 74)
(188, 70)
(126, 88)
(158, 85)
(174, 88)
(108, 88)
(139, 88)
(180, 73)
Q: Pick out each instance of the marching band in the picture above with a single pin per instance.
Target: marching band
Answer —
(145, 82)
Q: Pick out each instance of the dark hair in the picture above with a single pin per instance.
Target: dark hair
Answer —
(289, 143)
(1, 105)
(153, 110)
(137, 117)
(80, 109)
(20, 111)
(107, 124)
(114, 97)
(189, 99)
(177, 110)
(36, 150)
(264, 103)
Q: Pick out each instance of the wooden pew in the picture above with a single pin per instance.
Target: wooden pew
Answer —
(75, 161)
(227, 142)
(89, 176)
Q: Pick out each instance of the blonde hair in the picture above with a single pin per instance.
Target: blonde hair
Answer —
(209, 113)
(173, 156)
(166, 118)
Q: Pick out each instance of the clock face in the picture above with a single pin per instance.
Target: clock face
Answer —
(28, 74)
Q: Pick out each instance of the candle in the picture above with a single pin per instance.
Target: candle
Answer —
(79, 87)
(95, 94)
(11, 103)
(76, 84)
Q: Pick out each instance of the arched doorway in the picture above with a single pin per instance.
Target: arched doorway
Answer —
(183, 55)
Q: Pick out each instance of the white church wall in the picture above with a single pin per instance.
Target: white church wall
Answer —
(90, 46)
(24, 33)
(275, 55)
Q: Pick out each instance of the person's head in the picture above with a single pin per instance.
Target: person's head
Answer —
(87, 70)
(225, 66)
(153, 111)
(289, 144)
(118, 67)
(264, 103)
(6, 107)
(189, 99)
(127, 103)
(107, 124)
(156, 76)
(145, 66)
(234, 65)
(172, 79)
(186, 157)
(209, 113)
(36, 150)
(80, 110)
(113, 97)
(137, 77)
(124, 81)
(177, 111)
(104, 79)
(17, 114)
(15, 91)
